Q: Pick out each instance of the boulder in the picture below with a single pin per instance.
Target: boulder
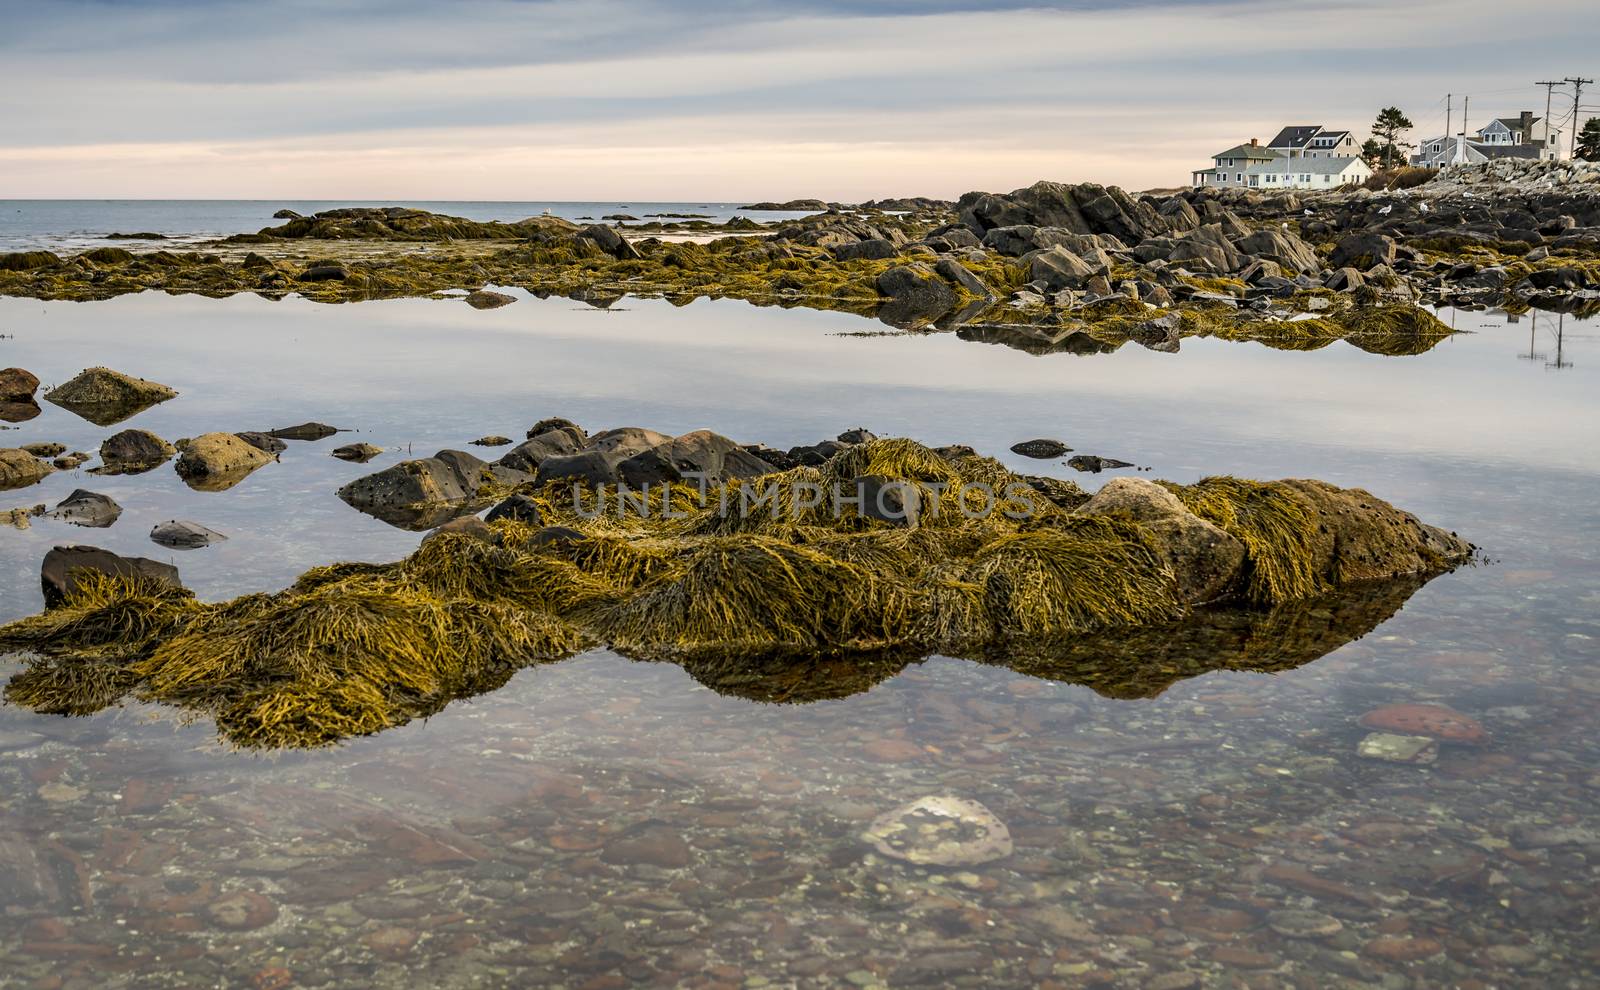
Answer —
(215, 462)
(1563, 279)
(889, 500)
(19, 469)
(528, 455)
(485, 299)
(1084, 208)
(325, 273)
(179, 534)
(873, 249)
(1344, 280)
(17, 385)
(518, 508)
(450, 476)
(597, 462)
(104, 397)
(558, 423)
(90, 509)
(1207, 247)
(1058, 269)
(45, 448)
(914, 294)
(1362, 251)
(710, 456)
(58, 575)
(1040, 449)
(609, 241)
(470, 526)
(1283, 247)
(940, 830)
(1205, 561)
(134, 451)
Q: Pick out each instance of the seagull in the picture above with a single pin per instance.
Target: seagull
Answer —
(1424, 207)
(1310, 212)
(1386, 210)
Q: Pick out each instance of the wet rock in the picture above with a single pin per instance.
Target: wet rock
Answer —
(133, 452)
(264, 442)
(450, 476)
(58, 573)
(359, 453)
(214, 462)
(597, 463)
(859, 434)
(528, 455)
(888, 500)
(391, 942)
(1041, 449)
(609, 241)
(104, 397)
(485, 299)
(19, 469)
(90, 509)
(1205, 560)
(940, 830)
(324, 273)
(1432, 721)
(45, 450)
(20, 518)
(72, 461)
(17, 385)
(493, 440)
(1398, 749)
(518, 508)
(554, 536)
(305, 431)
(1091, 464)
(1362, 251)
(180, 534)
(552, 423)
(471, 526)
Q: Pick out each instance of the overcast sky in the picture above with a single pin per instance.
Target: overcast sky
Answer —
(723, 99)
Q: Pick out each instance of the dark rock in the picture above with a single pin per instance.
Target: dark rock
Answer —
(1094, 465)
(1283, 247)
(325, 273)
(954, 271)
(609, 241)
(1564, 279)
(491, 441)
(889, 500)
(89, 509)
(305, 431)
(45, 449)
(914, 294)
(1362, 251)
(556, 536)
(179, 534)
(449, 477)
(468, 525)
(1344, 280)
(874, 249)
(1040, 449)
(518, 508)
(709, 456)
(58, 575)
(528, 455)
(134, 452)
(558, 423)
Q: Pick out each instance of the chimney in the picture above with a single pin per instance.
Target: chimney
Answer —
(1527, 125)
(1254, 143)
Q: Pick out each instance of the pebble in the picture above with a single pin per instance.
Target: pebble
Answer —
(1399, 948)
(242, 912)
(1304, 924)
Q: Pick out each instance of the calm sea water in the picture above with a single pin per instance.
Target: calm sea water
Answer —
(77, 224)
(607, 823)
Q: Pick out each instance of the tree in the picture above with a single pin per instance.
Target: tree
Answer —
(1372, 154)
(1589, 140)
(1387, 131)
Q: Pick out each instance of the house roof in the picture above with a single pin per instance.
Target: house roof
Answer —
(1512, 123)
(1331, 136)
(1306, 166)
(1507, 150)
(1295, 137)
(1254, 152)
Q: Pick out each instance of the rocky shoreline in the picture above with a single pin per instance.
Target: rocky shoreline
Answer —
(1049, 267)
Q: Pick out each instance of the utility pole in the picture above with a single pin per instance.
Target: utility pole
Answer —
(1448, 107)
(1577, 92)
(1549, 88)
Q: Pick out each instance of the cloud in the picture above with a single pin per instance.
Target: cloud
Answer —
(722, 99)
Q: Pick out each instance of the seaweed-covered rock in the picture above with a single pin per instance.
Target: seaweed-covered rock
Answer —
(1205, 560)
(90, 509)
(358, 453)
(1363, 250)
(17, 385)
(518, 508)
(1084, 208)
(708, 455)
(598, 461)
(218, 461)
(19, 469)
(914, 293)
(485, 299)
(608, 240)
(104, 397)
(24, 261)
(134, 451)
(64, 566)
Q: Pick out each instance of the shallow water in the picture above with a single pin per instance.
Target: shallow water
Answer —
(607, 823)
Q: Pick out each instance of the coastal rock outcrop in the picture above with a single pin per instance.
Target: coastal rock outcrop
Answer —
(105, 397)
(134, 452)
(215, 462)
(64, 568)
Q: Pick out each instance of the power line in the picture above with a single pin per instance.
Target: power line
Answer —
(1577, 98)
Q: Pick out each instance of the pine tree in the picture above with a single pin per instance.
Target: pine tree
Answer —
(1589, 140)
(1387, 131)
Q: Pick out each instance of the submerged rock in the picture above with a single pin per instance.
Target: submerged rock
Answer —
(1398, 749)
(134, 452)
(91, 509)
(264, 442)
(104, 397)
(1090, 464)
(19, 469)
(940, 830)
(493, 440)
(1432, 721)
(215, 462)
(180, 534)
(64, 565)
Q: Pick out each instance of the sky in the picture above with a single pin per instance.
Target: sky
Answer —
(726, 100)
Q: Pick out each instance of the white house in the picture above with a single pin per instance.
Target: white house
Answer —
(1229, 167)
(1314, 141)
(1308, 173)
(1523, 136)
